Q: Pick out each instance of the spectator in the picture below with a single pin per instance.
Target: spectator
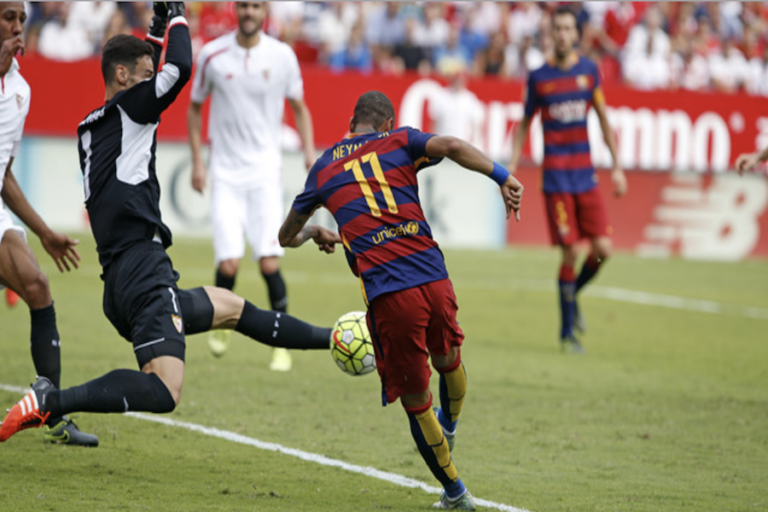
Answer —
(619, 20)
(216, 19)
(386, 29)
(757, 77)
(285, 19)
(646, 54)
(471, 37)
(456, 111)
(61, 40)
(520, 61)
(728, 68)
(707, 42)
(434, 32)
(492, 61)
(689, 70)
(453, 58)
(523, 21)
(411, 56)
(356, 55)
(335, 25)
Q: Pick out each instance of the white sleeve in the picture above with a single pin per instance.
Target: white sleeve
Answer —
(294, 87)
(16, 143)
(201, 81)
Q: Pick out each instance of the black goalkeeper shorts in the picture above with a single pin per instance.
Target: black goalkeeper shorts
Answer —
(142, 302)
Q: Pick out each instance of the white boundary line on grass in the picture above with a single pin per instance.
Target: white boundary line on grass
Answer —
(625, 295)
(368, 471)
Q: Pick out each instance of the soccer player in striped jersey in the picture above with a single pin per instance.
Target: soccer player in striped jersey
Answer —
(368, 182)
(563, 90)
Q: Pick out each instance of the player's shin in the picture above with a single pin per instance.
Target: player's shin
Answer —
(278, 329)
(278, 295)
(567, 287)
(45, 344)
(433, 446)
(588, 271)
(453, 387)
(117, 391)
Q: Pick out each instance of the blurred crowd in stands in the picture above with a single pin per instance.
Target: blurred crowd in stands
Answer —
(721, 46)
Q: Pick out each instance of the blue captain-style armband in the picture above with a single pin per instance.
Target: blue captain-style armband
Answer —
(499, 174)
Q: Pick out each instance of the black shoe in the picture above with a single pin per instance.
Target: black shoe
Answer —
(65, 431)
(571, 345)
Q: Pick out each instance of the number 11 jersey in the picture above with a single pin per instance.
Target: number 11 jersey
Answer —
(368, 183)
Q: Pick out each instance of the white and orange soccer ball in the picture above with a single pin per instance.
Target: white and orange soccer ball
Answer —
(351, 345)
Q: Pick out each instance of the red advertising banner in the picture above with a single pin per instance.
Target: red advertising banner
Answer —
(664, 130)
(723, 217)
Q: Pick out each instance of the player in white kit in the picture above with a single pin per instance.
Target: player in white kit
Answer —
(248, 75)
(19, 270)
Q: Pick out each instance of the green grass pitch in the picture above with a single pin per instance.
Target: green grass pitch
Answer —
(668, 411)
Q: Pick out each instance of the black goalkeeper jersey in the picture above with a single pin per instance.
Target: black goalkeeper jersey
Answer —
(117, 145)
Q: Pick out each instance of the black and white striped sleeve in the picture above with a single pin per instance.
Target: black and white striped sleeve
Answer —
(145, 101)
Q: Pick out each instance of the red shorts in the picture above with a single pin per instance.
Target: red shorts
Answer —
(572, 217)
(405, 327)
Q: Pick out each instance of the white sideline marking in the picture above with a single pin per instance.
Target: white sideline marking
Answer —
(368, 471)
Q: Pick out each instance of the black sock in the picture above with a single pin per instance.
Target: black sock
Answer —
(281, 330)
(222, 281)
(45, 344)
(278, 296)
(117, 391)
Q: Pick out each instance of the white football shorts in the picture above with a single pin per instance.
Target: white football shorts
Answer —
(256, 212)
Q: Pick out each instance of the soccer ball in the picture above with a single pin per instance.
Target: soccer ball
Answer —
(351, 346)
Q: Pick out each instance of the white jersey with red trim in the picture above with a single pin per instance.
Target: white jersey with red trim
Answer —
(248, 89)
(14, 105)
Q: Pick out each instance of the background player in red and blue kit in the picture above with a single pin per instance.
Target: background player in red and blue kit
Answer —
(368, 182)
(564, 89)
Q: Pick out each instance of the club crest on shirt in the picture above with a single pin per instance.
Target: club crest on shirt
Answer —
(582, 82)
(265, 73)
(19, 101)
(177, 322)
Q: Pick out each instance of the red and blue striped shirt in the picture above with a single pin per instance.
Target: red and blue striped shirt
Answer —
(368, 183)
(564, 99)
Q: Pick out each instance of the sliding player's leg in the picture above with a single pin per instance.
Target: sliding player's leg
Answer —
(210, 308)
(20, 271)
(149, 313)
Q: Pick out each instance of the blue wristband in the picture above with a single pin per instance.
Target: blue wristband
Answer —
(499, 174)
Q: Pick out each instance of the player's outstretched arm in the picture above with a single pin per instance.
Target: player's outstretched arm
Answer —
(747, 161)
(294, 232)
(471, 158)
(59, 246)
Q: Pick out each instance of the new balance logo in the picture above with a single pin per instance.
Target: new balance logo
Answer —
(699, 218)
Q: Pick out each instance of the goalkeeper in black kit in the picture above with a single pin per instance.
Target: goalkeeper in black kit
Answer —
(117, 145)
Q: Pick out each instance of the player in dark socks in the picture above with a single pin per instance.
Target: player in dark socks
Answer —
(117, 154)
(19, 270)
